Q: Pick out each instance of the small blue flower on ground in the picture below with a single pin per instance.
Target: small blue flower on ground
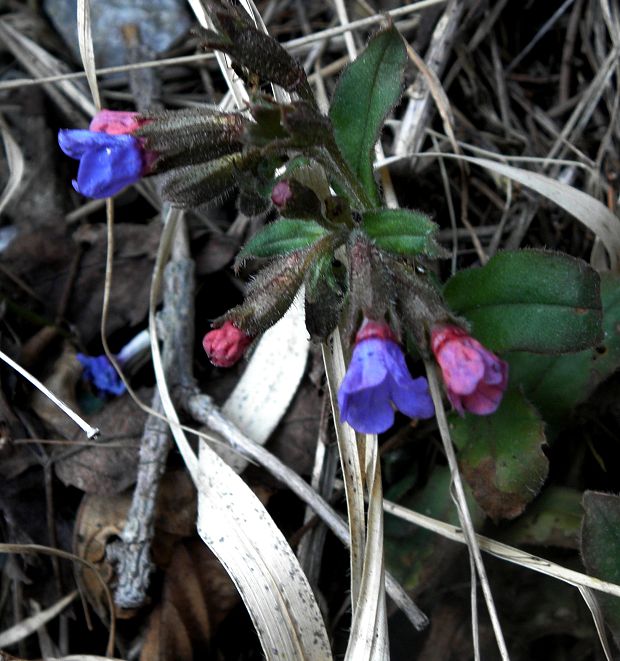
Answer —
(378, 380)
(100, 372)
(108, 163)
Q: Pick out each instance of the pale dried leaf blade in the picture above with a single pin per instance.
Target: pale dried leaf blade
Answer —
(335, 369)
(240, 532)
(369, 638)
(238, 529)
(275, 369)
(85, 40)
(586, 209)
(28, 626)
(15, 160)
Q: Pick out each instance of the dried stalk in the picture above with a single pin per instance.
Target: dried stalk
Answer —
(462, 508)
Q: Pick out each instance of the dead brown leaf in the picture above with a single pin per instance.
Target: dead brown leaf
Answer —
(197, 595)
(102, 517)
(42, 260)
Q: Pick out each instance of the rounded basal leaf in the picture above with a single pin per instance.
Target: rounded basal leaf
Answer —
(556, 384)
(282, 237)
(401, 231)
(600, 549)
(501, 455)
(530, 300)
(366, 92)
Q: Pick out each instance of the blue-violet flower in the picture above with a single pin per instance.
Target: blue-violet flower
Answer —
(378, 380)
(110, 156)
(99, 371)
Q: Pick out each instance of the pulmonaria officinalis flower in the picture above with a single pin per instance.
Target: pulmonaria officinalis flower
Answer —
(475, 378)
(226, 345)
(100, 372)
(110, 156)
(378, 380)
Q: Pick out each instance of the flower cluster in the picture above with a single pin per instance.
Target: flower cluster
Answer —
(380, 282)
(111, 156)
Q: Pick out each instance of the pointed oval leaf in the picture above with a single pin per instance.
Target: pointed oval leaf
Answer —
(401, 231)
(282, 237)
(366, 92)
(501, 455)
(530, 300)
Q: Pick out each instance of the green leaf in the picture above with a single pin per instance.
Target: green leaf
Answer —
(530, 300)
(600, 549)
(366, 92)
(401, 231)
(501, 455)
(282, 237)
(415, 555)
(553, 519)
(556, 384)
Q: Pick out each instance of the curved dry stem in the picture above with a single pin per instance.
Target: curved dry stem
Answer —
(461, 503)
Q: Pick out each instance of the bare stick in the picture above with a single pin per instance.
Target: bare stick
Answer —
(132, 553)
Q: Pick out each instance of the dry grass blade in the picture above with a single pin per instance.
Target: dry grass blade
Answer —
(38, 62)
(235, 84)
(463, 510)
(599, 620)
(240, 532)
(28, 626)
(85, 40)
(592, 213)
(34, 549)
(15, 160)
(84, 657)
(585, 208)
(583, 582)
(202, 409)
(90, 431)
(369, 638)
(335, 369)
(504, 551)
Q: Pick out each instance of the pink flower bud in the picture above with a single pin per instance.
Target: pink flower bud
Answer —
(475, 378)
(116, 122)
(281, 193)
(226, 345)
